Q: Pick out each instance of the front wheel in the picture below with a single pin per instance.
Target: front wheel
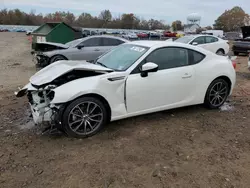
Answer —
(57, 58)
(84, 117)
(217, 94)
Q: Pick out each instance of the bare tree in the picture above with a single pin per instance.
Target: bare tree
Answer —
(106, 17)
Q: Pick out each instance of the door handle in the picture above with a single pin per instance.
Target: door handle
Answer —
(186, 75)
(96, 49)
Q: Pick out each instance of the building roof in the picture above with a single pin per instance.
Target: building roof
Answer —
(190, 25)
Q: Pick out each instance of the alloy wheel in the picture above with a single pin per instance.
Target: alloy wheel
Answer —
(218, 94)
(58, 59)
(85, 118)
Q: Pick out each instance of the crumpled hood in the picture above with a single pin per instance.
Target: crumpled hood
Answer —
(59, 68)
(55, 44)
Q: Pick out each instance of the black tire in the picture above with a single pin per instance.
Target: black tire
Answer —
(220, 52)
(84, 123)
(57, 58)
(212, 93)
(236, 53)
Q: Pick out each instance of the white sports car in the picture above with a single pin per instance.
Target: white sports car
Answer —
(135, 78)
(208, 42)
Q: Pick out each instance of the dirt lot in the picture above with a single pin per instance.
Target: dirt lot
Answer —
(187, 147)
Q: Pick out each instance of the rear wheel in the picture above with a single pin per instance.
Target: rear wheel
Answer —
(217, 94)
(84, 117)
(57, 58)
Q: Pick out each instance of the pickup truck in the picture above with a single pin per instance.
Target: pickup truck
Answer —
(242, 45)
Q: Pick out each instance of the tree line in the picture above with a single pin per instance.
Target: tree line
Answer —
(230, 20)
(104, 20)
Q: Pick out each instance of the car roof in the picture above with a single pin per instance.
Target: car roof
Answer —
(200, 35)
(107, 36)
(147, 43)
(160, 44)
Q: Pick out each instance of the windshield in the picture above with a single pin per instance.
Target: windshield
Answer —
(185, 39)
(122, 57)
(73, 43)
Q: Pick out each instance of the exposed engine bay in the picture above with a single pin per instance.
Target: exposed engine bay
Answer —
(39, 101)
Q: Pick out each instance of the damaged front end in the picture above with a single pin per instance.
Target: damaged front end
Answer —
(41, 60)
(41, 89)
(43, 112)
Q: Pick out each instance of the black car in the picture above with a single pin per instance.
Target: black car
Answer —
(242, 45)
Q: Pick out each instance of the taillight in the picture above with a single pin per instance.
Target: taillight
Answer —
(234, 64)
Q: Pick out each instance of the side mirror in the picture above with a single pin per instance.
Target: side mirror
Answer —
(195, 43)
(148, 67)
(79, 47)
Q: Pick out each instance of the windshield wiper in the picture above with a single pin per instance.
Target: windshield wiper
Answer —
(98, 63)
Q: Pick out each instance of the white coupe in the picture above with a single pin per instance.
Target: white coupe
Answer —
(208, 42)
(135, 78)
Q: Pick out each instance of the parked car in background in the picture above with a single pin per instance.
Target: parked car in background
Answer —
(169, 34)
(28, 33)
(232, 36)
(143, 35)
(130, 36)
(86, 33)
(216, 33)
(88, 48)
(135, 78)
(154, 34)
(242, 45)
(210, 43)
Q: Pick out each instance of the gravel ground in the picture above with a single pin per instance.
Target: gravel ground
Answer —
(187, 147)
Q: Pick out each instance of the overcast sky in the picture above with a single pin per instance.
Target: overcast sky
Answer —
(167, 10)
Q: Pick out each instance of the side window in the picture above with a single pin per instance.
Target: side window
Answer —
(91, 42)
(195, 57)
(111, 42)
(200, 40)
(167, 58)
(211, 39)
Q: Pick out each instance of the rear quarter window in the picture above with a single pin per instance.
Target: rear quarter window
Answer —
(195, 57)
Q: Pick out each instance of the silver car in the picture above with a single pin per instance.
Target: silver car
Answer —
(88, 49)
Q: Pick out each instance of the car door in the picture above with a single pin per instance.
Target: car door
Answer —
(87, 50)
(212, 43)
(200, 41)
(109, 43)
(171, 86)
